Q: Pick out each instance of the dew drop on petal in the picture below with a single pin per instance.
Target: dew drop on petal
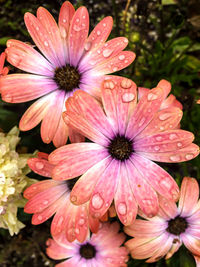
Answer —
(98, 33)
(107, 52)
(97, 201)
(151, 96)
(122, 209)
(159, 138)
(173, 136)
(175, 158)
(45, 202)
(121, 57)
(60, 221)
(39, 165)
(142, 121)
(126, 83)
(104, 24)
(164, 116)
(109, 85)
(128, 97)
(156, 148)
(179, 144)
(77, 231)
(73, 199)
(162, 128)
(88, 46)
(115, 68)
(81, 221)
(189, 156)
(147, 202)
(76, 28)
(46, 43)
(64, 21)
(40, 217)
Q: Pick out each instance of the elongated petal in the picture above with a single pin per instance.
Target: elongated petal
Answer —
(26, 58)
(171, 101)
(75, 137)
(65, 16)
(165, 85)
(35, 113)
(156, 176)
(168, 207)
(144, 112)
(61, 135)
(144, 194)
(192, 244)
(57, 252)
(184, 154)
(41, 166)
(164, 141)
(18, 88)
(125, 203)
(119, 98)
(84, 187)
(189, 196)
(104, 190)
(78, 33)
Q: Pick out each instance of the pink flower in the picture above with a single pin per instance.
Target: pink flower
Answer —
(3, 70)
(71, 60)
(100, 250)
(50, 197)
(126, 137)
(164, 234)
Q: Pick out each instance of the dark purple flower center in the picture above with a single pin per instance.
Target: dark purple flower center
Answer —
(120, 148)
(87, 251)
(67, 78)
(177, 225)
(70, 183)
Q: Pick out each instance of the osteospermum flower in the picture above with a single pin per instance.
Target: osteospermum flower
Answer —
(100, 250)
(126, 137)
(71, 60)
(163, 234)
(3, 70)
(50, 197)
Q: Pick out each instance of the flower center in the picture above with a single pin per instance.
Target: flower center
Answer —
(177, 225)
(67, 78)
(71, 183)
(87, 251)
(120, 148)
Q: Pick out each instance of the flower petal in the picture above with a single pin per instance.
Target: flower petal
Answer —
(18, 88)
(75, 137)
(61, 135)
(189, 196)
(56, 251)
(78, 33)
(125, 203)
(157, 177)
(144, 194)
(40, 166)
(104, 190)
(25, 57)
(191, 243)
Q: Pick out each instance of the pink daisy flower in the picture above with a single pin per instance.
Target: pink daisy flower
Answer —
(100, 250)
(3, 70)
(164, 234)
(126, 137)
(50, 197)
(71, 60)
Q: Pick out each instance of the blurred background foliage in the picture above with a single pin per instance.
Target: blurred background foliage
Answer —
(165, 35)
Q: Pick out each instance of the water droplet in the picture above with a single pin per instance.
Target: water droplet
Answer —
(175, 158)
(189, 156)
(125, 40)
(162, 128)
(97, 201)
(104, 24)
(121, 57)
(77, 20)
(76, 28)
(45, 202)
(39, 165)
(60, 221)
(156, 148)
(40, 217)
(73, 199)
(107, 52)
(142, 121)
(122, 209)
(77, 231)
(81, 221)
(84, 17)
(63, 32)
(97, 215)
(64, 21)
(179, 144)
(126, 83)
(151, 96)
(159, 138)
(164, 116)
(88, 46)
(37, 28)
(173, 136)
(46, 43)
(115, 68)
(98, 33)
(109, 85)
(128, 97)
(147, 202)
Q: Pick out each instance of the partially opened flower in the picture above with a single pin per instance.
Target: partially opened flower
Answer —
(163, 234)
(3, 70)
(71, 60)
(126, 137)
(50, 197)
(100, 250)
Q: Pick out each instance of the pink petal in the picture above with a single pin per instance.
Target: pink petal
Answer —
(40, 166)
(164, 120)
(61, 135)
(174, 248)
(171, 101)
(84, 187)
(104, 190)
(71, 262)
(187, 153)
(164, 141)
(119, 98)
(75, 137)
(168, 209)
(192, 244)
(35, 113)
(157, 177)
(65, 16)
(78, 33)
(125, 203)
(51, 120)
(54, 36)
(24, 57)
(41, 38)
(74, 163)
(18, 88)
(144, 112)
(144, 194)
(189, 196)
(56, 251)
(121, 61)
(166, 86)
